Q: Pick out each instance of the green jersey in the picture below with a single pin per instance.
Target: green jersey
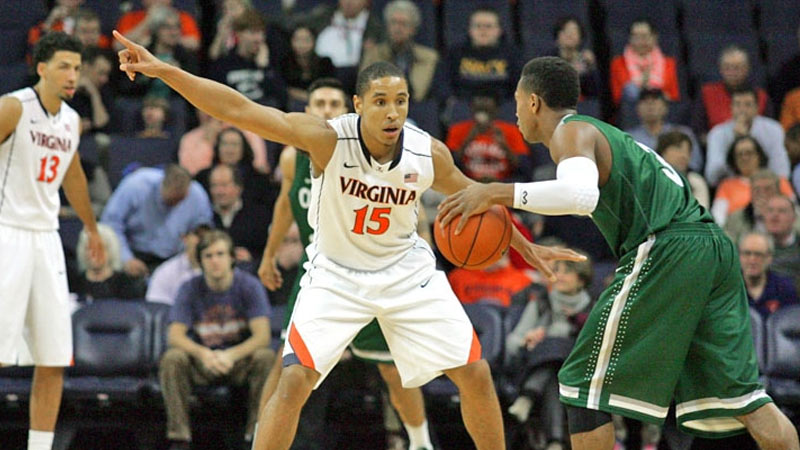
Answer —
(643, 194)
(300, 196)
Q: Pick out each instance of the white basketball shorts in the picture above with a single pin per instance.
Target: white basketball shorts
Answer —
(423, 322)
(35, 323)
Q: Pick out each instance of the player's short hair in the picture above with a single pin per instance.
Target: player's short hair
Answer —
(745, 89)
(52, 42)
(553, 79)
(672, 138)
(249, 20)
(793, 133)
(210, 238)
(326, 82)
(374, 71)
(731, 158)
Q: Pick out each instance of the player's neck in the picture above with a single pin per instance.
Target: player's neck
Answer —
(51, 103)
(550, 121)
(379, 151)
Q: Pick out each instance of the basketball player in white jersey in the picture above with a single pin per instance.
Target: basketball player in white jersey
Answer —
(366, 261)
(39, 136)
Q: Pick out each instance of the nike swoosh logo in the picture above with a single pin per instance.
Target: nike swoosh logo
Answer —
(425, 283)
(348, 166)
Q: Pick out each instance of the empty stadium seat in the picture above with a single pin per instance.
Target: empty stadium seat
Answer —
(456, 15)
(718, 16)
(13, 45)
(537, 19)
(15, 76)
(621, 13)
(781, 16)
(783, 356)
(128, 153)
(781, 47)
(426, 115)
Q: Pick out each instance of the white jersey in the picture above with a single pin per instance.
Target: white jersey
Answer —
(364, 214)
(33, 161)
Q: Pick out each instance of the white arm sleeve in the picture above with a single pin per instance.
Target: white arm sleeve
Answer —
(574, 191)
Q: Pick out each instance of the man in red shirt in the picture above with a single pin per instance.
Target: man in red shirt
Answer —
(500, 283)
(484, 147)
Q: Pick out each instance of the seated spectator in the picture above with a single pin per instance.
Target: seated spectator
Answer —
(225, 38)
(766, 290)
(792, 144)
(542, 339)
(780, 222)
(99, 189)
(136, 25)
(675, 147)
(172, 273)
(107, 280)
(486, 62)
(745, 158)
(66, 16)
(233, 149)
(303, 65)
(219, 333)
(345, 33)
(501, 283)
(764, 184)
(652, 109)
(642, 65)
(288, 258)
(569, 35)
(787, 78)
(485, 147)
(196, 149)
(155, 111)
(790, 109)
(166, 46)
(746, 121)
(716, 96)
(93, 98)
(150, 210)
(418, 62)
(249, 68)
(246, 222)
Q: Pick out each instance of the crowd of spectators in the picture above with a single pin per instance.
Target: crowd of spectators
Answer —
(735, 138)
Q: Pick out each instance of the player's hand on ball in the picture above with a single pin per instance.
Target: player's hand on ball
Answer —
(474, 199)
(269, 273)
(135, 58)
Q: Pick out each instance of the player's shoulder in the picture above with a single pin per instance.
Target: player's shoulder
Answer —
(346, 125)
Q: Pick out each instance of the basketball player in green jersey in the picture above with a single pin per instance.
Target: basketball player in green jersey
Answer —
(674, 323)
(327, 99)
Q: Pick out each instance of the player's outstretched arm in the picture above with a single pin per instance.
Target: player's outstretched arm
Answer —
(282, 219)
(448, 179)
(76, 190)
(296, 129)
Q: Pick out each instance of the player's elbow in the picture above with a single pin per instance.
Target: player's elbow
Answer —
(585, 198)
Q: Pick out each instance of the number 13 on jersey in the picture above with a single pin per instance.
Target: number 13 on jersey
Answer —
(378, 220)
(48, 169)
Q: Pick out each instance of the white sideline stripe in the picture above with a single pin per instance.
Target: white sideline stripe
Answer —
(719, 403)
(569, 391)
(637, 405)
(612, 325)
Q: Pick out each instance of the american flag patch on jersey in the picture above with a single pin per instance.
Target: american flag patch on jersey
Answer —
(410, 177)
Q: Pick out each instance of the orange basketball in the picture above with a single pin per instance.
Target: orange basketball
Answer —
(482, 241)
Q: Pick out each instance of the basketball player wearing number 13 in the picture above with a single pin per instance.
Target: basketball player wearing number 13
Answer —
(366, 261)
(674, 322)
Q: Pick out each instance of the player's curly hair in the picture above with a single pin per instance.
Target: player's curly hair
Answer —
(52, 42)
(373, 72)
(554, 80)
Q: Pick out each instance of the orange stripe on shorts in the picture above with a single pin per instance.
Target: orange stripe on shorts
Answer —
(300, 349)
(475, 348)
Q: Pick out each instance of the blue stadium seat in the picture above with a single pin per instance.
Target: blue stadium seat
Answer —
(456, 15)
(13, 44)
(718, 16)
(783, 356)
(15, 76)
(426, 115)
(128, 153)
(537, 20)
(158, 315)
(621, 13)
(21, 14)
(112, 351)
(15, 385)
(305, 5)
(704, 50)
(782, 16)
(426, 34)
(781, 47)
(107, 10)
(69, 228)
